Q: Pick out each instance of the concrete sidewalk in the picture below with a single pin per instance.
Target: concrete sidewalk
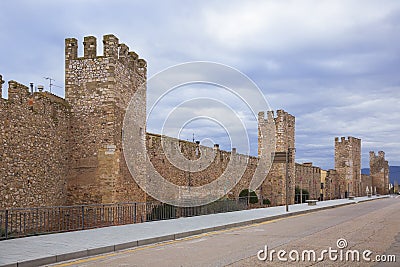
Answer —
(47, 249)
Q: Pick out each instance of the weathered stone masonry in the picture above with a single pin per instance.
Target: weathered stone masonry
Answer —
(34, 154)
(379, 172)
(308, 177)
(274, 186)
(63, 152)
(348, 165)
(99, 88)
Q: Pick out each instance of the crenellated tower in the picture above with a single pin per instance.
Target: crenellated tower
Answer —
(379, 172)
(1, 85)
(98, 89)
(348, 166)
(274, 186)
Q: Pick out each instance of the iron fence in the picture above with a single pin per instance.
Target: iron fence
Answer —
(22, 222)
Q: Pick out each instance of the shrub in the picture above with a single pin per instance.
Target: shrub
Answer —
(304, 193)
(253, 196)
(266, 201)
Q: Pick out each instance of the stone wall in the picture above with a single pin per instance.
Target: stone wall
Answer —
(196, 178)
(366, 181)
(348, 165)
(308, 177)
(379, 172)
(334, 186)
(63, 152)
(34, 148)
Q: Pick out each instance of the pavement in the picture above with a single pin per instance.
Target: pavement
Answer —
(53, 248)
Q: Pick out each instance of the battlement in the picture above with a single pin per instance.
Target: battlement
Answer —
(373, 156)
(261, 116)
(111, 49)
(17, 92)
(349, 139)
(280, 116)
(155, 138)
(1, 85)
(89, 47)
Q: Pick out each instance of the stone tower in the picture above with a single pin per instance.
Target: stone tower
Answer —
(1, 85)
(379, 172)
(98, 89)
(274, 186)
(348, 166)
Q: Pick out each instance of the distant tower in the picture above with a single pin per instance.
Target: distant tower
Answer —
(348, 166)
(1, 86)
(274, 186)
(98, 89)
(379, 172)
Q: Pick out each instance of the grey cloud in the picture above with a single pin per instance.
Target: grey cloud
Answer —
(334, 65)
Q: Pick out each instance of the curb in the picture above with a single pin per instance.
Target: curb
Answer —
(51, 259)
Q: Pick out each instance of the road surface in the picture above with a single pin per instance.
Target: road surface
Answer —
(371, 227)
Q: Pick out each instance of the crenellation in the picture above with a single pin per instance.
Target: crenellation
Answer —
(1, 86)
(71, 49)
(17, 92)
(372, 155)
(89, 47)
(123, 51)
(110, 46)
(142, 67)
(133, 60)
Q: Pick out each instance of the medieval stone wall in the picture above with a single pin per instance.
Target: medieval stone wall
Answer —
(333, 185)
(366, 182)
(57, 151)
(34, 155)
(196, 178)
(308, 177)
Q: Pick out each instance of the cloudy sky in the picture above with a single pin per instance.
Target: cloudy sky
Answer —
(333, 64)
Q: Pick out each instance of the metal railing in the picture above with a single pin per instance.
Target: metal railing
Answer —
(22, 222)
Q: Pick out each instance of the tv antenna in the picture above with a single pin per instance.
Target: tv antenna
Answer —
(51, 80)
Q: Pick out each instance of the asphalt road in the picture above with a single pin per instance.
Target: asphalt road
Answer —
(370, 226)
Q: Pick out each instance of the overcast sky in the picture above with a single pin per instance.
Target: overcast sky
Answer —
(334, 65)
